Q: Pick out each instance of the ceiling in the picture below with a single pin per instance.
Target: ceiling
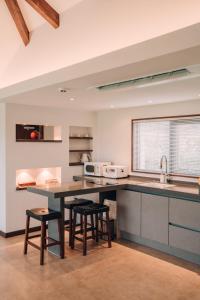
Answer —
(11, 42)
(82, 95)
(33, 19)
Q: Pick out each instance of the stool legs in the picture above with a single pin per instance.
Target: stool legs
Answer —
(43, 234)
(45, 237)
(70, 226)
(26, 234)
(42, 242)
(108, 229)
(97, 227)
(81, 220)
(92, 225)
(96, 232)
(85, 236)
(101, 223)
(62, 255)
(73, 230)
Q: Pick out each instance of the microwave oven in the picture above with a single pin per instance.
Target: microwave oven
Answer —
(115, 171)
(95, 168)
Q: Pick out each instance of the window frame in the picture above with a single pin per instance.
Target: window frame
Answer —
(132, 146)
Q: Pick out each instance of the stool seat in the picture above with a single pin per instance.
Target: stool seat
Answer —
(77, 202)
(70, 205)
(43, 214)
(96, 211)
(91, 209)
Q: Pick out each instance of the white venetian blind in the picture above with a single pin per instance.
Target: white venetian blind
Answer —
(177, 138)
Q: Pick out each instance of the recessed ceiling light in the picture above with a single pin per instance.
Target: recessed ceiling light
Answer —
(71, 99)
(150, 101)
(198, 95)
(112, 106)
(63, 90)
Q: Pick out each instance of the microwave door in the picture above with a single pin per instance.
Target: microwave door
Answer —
(90, 169)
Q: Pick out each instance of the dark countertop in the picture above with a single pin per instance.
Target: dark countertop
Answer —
(59, 190)
(89, 184)
(187, 191)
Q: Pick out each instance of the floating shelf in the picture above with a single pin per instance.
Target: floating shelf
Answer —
(39, 141)
(81, 138)
(80, 150)
(21, 188)
(76, 164)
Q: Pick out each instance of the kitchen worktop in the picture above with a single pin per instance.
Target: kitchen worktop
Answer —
(59, 190)
(90, 184)
(187, 191)
(164, 217)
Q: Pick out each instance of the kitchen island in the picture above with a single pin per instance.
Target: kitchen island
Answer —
(56, 193)
(165, 217)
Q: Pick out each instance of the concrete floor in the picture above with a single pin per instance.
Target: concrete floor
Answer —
(126, 271)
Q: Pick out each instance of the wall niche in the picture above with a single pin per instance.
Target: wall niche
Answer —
(38, 133)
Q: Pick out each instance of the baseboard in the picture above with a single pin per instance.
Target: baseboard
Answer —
(18, 232)
(2, 233)
(22, 231)
(191, 257)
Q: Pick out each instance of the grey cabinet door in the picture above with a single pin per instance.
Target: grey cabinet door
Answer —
(184, 239)
(154, 218)
(185, 213)
(128, 211)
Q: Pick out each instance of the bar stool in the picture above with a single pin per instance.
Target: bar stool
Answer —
(96, 210)
(70, 206)
(43, 215)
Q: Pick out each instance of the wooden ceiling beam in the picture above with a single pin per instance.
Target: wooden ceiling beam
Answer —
(19, 20)
(46, 11)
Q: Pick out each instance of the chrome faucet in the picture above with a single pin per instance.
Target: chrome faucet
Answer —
(164, 172)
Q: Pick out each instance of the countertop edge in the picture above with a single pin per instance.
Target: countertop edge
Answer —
(118, 186)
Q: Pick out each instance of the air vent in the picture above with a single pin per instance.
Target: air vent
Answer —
(147, 81)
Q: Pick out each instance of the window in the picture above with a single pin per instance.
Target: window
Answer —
(177, 138)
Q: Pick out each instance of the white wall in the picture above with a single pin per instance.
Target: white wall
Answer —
(114, 127)
(20, 155)
(2, 166)
(112, 132)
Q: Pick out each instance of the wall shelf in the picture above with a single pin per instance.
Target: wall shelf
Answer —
(71, 164)
(39, 141)
(81, 138)
(80, 150)
(21, 188)
(80, 142)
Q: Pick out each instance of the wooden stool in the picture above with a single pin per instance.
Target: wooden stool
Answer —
(43, 215)
(70, 205)
(96, 210)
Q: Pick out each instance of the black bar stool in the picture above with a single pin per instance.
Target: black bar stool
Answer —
(43, 215)
(96, 210)
(70, 205)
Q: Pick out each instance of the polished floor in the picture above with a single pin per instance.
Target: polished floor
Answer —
(126, 271)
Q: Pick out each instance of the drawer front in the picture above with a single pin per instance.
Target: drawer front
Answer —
(185, 213)
(184, 239)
